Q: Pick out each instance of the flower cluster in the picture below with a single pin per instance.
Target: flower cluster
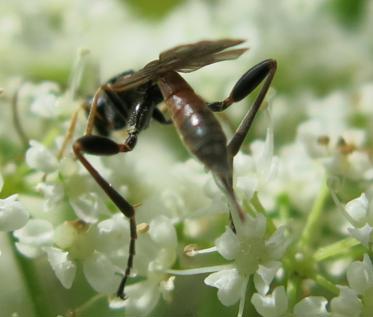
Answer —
(304, 180)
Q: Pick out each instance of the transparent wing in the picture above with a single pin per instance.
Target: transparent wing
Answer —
(183, 58)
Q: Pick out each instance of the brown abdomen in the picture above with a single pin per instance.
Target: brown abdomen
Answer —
(195, 123)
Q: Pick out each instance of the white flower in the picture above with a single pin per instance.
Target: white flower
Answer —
(13, 215)
(40, 158)
(276, 305)
(358, 212)
(273, 305)
(358, 209)
(35, 235)
(255, 172)
(41, 98)
(229, 284)
(347, 304)
(101, 273)
(155, 254)
(253, 254)
(355, 300)
(88, 206)
(53, 194)
(63, 267)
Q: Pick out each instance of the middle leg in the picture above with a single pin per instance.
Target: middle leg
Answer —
(99, 145)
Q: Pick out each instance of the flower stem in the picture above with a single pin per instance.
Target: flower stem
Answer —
(29, 278)
(338, 248)
(79, 310)
(314, 217)
(322, 281)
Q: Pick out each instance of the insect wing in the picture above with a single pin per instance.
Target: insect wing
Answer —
(183, 58)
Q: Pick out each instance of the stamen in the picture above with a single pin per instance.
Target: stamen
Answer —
(142, 228)
(201, 270)
(192, 250)
(76, 74)
(242, 297)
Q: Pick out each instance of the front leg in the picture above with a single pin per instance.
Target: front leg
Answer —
(99, 145)
(244, 86)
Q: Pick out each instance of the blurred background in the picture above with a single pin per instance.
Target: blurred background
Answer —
(322, 48)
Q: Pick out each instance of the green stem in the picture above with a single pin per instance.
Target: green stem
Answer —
(30, 280)
(86, 305)
(325, 283)
(335, 249)
(314, 217)
(271, 228)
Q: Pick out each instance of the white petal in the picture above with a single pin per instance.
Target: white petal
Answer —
(67, 233)
(40, 158)
(142, 298)
(88, 207)
(100, 273)
(62, 266)
(347, 304)
(264, 276)
(273, 305)
(228, 244)
(36, 232)
(45, 105)
(252, 228)
(363, 234)
(163, 232)
(53, 194)
(358, 208)
(313, 306)
(113, 236)
(228, 283)
(277, 244)
(28, 250)
(360, 275)
(13, 214)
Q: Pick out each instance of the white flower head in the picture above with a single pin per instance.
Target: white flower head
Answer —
(276, 305)
(253, 254)
(155, 254)
(53, 194)
(355, 300)
(360, 275)
(88, 207)
(62, 265)
(101, 273)
(346, 304)
(229, 284)
(358, 212)
(254, 172)
(358, 209)
(13, 215)
(34, 236)
(273, 305)
(40, 158)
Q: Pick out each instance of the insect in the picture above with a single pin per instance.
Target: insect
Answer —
(130, 100)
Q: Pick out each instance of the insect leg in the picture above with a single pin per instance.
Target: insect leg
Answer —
(69, 133)
(245, 85)
(93, 110)
(98, 145)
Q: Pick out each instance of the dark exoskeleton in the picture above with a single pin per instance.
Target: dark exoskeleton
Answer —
(131, 100)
